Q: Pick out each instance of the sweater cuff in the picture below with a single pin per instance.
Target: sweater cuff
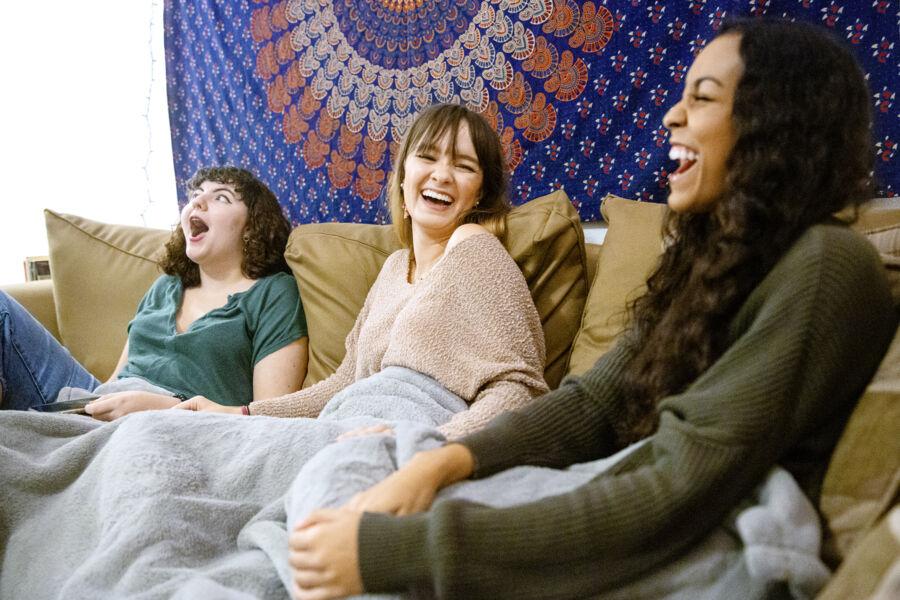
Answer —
(393, 553)
(492, 448)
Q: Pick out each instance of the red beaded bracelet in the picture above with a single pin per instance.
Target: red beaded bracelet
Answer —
(245, 410)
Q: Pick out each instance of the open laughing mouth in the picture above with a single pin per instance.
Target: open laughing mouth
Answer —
(686, 158)
(198, 227)
(437, 198)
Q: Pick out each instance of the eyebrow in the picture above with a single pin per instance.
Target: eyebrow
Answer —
(223, 189)
(430, 147)
(198, 190)
(707, 78)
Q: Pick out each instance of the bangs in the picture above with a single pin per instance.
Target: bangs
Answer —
(432, 126)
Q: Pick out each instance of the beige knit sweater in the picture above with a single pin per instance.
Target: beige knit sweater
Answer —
(470, 323)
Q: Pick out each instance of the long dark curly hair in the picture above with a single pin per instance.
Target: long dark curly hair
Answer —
(265, 235)
(802, 151)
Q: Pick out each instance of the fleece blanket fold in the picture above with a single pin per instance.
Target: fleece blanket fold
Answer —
(768, 545)
(169, 503)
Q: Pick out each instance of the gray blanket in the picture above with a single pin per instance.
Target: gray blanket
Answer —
(168, 503)
(768, 547)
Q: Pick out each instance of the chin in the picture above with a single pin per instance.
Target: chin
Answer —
(685, 202)
(678, 202)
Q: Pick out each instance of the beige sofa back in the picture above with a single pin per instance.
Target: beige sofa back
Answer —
(336, 263)
(100, 272)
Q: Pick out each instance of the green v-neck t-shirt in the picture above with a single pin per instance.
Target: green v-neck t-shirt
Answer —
(216, 355)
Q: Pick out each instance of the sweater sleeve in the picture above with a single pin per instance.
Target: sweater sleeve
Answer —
(803, 347)
(571, 424)
(310, 401)
(499, 342)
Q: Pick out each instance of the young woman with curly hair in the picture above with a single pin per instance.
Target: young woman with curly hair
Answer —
(224, 321)
(762, 324)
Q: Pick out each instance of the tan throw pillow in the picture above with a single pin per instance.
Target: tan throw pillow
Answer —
(863, 478)
(100, 272)
(879, 221)
(336, 263)
(631, 249)
(872, 570)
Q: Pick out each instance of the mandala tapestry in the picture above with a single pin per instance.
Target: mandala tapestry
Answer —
(315, 95)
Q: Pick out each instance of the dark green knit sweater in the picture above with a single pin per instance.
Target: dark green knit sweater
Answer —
(801, 350)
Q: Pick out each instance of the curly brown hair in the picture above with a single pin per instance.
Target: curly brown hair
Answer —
(802, 152)
(265, 235)
(430, 125)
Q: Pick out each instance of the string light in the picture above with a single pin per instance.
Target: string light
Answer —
(150, 202)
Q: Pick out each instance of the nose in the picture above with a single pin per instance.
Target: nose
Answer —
(199, 201)
(440, 170)
(674, 117)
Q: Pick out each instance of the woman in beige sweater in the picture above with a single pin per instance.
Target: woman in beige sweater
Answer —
(452, 305)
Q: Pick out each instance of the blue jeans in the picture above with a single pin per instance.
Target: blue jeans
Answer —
(33, 365)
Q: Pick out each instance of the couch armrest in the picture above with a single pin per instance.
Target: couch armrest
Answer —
(873, 561)
(37, 298)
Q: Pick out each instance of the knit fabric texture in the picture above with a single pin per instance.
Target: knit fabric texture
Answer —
(801, 349)
(470, 323)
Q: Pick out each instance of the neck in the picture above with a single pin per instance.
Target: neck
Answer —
(426, 251)
(221, 277)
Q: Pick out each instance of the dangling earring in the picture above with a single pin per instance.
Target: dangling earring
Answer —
(246, 239)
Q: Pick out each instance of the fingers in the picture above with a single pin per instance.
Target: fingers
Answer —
(186, 405)
(316, 593)
(321, 515)
(102, 409)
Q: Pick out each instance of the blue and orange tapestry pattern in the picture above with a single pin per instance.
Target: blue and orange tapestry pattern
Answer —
(314, 95)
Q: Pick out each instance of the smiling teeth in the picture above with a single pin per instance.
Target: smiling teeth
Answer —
(437, 196)
(681, 153)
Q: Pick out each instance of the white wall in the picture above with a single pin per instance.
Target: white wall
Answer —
(83, 122)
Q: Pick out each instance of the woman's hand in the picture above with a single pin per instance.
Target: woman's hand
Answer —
(324, 556)
(201, 404)
(412, 489)
(112, 406)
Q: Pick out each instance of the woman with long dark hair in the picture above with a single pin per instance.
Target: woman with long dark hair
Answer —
(762, 324)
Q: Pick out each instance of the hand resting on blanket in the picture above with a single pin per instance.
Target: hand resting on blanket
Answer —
(323, 555)
(201, 403)
(323, 546)
(117, 404)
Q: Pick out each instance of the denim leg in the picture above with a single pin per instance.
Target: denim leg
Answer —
(33, 365)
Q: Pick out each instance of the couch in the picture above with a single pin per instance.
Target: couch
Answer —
(100, 271)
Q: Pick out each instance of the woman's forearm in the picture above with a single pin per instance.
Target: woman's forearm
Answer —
(445, 465)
